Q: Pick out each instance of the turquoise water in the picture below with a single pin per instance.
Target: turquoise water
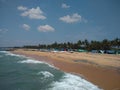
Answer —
(23, 73)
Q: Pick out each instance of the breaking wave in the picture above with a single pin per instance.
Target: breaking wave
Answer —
(30, 61)
(11, 54)
(46, 74)
(73, 82)
(44, 78)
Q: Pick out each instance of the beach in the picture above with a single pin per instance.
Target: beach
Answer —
(102, 70)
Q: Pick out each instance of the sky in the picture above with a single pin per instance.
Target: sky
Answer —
(33, 22)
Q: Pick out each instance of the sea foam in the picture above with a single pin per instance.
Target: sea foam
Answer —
(73, 82)
(33, 61)
(11, 54)
(46, 74)
(30, 61)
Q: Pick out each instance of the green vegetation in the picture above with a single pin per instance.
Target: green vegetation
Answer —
(83, 45)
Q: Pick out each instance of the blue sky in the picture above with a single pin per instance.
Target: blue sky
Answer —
(30, 22)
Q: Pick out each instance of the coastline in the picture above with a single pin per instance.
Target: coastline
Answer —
(86, 65)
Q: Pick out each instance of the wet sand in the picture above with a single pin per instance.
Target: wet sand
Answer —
(100, 69)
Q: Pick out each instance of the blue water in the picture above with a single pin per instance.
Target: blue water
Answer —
(23, 73)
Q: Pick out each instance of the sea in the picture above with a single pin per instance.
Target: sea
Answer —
(18, 72)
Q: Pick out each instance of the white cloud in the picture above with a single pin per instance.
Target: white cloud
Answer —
(46, 28)
(65, 6)
(71, 18)
(84, 20)
(3, 30)
(26, 27)
(22, 8)
(34, 13)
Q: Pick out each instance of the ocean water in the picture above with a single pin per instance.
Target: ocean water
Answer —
(18, 72)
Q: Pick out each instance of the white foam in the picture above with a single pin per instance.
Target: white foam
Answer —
(52, 66)
(73, 82)
(3, 51)
(33, 61)
(30, 61)
(11, 54)
(46, 74)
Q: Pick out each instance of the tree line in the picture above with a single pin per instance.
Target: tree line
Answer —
(81, 44)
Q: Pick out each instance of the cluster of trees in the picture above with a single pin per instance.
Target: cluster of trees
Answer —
(87, 45)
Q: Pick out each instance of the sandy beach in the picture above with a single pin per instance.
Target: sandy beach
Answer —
(102, 70)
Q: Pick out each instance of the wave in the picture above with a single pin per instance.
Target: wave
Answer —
(46, 74)
(3, 51)
(73, 82)
(11, 54)
(52, 66)
(30, 61)
(33, 61)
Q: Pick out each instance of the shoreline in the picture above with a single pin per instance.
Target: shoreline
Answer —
(104, 77)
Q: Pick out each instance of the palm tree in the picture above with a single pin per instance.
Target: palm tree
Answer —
(106, 44)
